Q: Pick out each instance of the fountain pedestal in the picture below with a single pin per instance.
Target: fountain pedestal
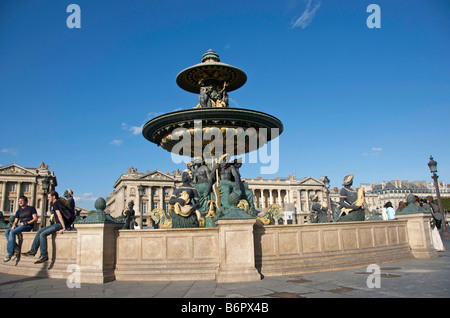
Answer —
(237, 255)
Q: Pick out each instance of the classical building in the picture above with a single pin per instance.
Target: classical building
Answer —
(158, 188)
(16, 181)
(396, 191)
(292, 194)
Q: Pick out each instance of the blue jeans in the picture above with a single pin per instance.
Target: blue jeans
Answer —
(11, 237)
(40, 240)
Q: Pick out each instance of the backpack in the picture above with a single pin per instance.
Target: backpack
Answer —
(437, 216)
(67, 212)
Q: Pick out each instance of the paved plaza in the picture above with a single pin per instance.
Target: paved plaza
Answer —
(424, 278)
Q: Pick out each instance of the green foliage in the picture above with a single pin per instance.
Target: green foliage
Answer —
(445, 203)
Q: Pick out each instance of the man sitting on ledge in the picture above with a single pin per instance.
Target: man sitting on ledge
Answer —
(40, 240)
(24, 219)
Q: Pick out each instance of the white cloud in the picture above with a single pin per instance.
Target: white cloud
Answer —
(10, 151)
(235, 103)
(375, 151)
(154, 114)
(84, 197)
(307, 16)
(135, 130)
(116, 142)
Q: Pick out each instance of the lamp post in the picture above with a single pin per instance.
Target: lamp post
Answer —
(45, 187)
(326, 183)
(433, 169)
(141, 193)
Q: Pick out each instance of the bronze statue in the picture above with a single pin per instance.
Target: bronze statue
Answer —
(204, 97)
(128, 214)
(184, 205)
(412, 208)
(319, 214)
(351, 202)
(222, 97)
(226, 184)
(201, 172)
(68, 194)
(210, 97)
(225, 171)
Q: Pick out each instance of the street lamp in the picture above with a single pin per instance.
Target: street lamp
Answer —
(433, 169)
(141, 193)
(326, 183)
(45, 187)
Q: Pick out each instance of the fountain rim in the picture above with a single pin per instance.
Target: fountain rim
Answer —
(183, 83)
(255, 118)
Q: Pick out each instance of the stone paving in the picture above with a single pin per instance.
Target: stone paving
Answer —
(415, 278)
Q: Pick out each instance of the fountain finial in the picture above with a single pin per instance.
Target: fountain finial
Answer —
(210, 56)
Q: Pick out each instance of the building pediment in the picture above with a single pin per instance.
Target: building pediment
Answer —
(157, 175)
(310, 181)
(15, 170)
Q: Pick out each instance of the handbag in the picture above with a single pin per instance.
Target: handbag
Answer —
(437, 216)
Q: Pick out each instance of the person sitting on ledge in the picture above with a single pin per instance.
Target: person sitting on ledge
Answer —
(24, 219)
(40, 240)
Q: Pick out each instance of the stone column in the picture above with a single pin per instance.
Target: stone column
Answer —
(279, 196)
(236, 251)
(307, 200)
(96, 245)
(419, 234)
(33, 194)
(18, 189)
(263, 199)
(270, 197)
(150, 199)
(3, 207)
(161, 197)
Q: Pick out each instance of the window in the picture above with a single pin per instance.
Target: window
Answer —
(12, 187)
(155, 205)
(144, 207)
(166, 191)
(155, 191)
(26, 187)
(10, 205)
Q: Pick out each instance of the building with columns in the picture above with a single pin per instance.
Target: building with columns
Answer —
(395, 191)
(292, 194)
(16, 181)
(158, 188)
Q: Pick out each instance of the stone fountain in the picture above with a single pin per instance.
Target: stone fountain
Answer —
(211, 133)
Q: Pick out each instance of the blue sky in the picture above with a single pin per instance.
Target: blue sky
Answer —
(372, 102)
